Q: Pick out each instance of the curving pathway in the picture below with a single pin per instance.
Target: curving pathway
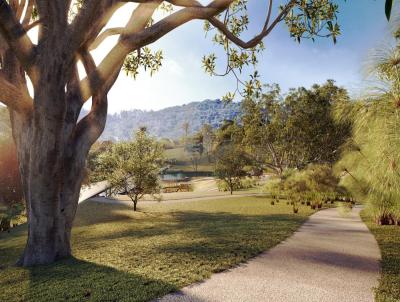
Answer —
(332, 257)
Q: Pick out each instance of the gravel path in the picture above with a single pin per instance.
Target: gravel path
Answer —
(333, 257)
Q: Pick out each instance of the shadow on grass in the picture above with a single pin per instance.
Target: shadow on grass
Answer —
(76, 280)
(141, 256)
(209, 227)
(102, 213)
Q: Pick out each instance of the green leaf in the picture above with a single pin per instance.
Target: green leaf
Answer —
(388, 8)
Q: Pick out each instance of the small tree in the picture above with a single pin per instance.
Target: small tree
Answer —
(208, 140)
(133, 167)
(95, 152)
(230, 164)
(195, 148)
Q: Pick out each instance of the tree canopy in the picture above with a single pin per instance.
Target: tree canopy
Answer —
(133, 168)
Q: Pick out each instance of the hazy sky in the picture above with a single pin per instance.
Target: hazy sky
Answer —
(182, 79)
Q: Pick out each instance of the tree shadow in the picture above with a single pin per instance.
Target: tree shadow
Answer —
(210, 227)
(190, 244)
(102, 213)
(225, 234)
(77, 280)
(339, 260)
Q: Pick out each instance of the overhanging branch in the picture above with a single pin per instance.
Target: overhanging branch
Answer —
(16, 37)
(139, 36)
(13, 97)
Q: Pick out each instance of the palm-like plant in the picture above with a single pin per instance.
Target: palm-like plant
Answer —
(371, 161)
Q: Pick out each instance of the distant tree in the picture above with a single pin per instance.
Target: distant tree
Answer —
(230, 132)
(133, 167)
(185, 128)
(263, 127)
(229, 166)
(294, 131)
(208, 140)
(195, 148)
(311, 133)
(97, 149)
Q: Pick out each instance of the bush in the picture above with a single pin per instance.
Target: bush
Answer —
(241, 184)
(11, 216)
(314, 185)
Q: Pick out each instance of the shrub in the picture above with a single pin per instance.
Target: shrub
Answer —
(11, 216)
(240, 184)
(313, 186)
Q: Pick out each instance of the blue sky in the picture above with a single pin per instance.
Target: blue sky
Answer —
(182, 79)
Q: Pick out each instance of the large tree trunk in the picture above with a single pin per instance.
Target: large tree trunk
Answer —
(52, 166)
(52, 145)
(52, 173)
(51, 210)
(52, 148)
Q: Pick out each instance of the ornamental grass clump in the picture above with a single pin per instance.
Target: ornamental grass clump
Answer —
(370, 162)
(314, 186)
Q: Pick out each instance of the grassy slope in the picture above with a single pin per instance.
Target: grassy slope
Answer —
(388, 238)
(125, 256)
(184, 163)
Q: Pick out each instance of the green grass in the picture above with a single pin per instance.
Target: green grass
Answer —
(388, 238)
(184, 163)
(120, 255)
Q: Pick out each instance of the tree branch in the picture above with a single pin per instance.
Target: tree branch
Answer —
(16, 36)
(89, 129)
(89, 22)
(104, 35)
(32, 25)
(28, 13)
(13, 97)
(136, 36)
(21, 6)
(258, 38)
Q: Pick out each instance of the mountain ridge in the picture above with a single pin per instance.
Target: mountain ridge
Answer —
(168, 122)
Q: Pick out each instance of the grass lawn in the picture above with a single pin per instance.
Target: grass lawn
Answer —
(184, 163)
(120, 255)
(388, 238)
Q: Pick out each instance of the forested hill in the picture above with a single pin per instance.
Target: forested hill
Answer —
(169, 122)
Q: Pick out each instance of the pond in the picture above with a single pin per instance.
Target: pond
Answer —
(182, 176)
(174, 176)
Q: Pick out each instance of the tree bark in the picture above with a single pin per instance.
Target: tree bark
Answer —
(52, 147)
(52, 169)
